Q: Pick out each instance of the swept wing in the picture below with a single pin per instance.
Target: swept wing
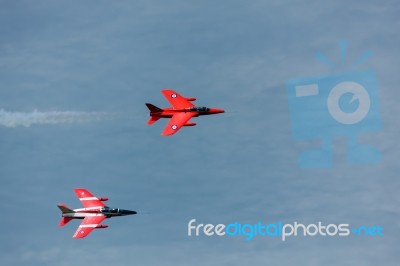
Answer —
(176, 100)
(87, 225)
(177, 121)
(87, 198)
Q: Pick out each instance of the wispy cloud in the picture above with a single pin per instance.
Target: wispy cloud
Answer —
(17, 119)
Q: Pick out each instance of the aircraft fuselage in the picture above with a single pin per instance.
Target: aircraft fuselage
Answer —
(169, 112)
(106, 211)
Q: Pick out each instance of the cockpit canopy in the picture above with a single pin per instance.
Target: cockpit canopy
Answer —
(200, 109)
(110, 210)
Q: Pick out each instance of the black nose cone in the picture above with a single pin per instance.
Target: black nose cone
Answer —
(127, 212)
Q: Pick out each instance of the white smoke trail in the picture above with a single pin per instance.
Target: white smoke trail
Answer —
(15, 119)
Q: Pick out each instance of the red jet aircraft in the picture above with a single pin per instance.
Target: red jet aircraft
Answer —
(181, 112)
(93, 213)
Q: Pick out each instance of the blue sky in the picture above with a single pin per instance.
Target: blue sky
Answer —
(102, 60)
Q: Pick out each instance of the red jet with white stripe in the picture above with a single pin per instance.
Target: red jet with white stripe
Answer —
(181, 112)
(94, 211)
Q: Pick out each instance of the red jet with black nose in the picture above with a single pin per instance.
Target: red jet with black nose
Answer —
(181, 112)
(93, 213)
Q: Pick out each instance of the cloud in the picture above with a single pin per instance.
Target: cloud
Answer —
(17, 119)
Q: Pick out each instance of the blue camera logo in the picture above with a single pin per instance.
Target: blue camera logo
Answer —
(342, 104)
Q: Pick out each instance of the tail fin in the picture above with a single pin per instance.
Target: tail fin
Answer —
(64, 209)
(153, 108)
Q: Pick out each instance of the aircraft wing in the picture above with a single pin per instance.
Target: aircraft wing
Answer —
(176, 100)
(87, 225)
(177, 122)
(87, 198)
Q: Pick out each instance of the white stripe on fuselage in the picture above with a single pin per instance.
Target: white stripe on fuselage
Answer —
(89, 209)
(81, 214)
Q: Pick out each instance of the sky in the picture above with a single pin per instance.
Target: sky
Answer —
(74, 77)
